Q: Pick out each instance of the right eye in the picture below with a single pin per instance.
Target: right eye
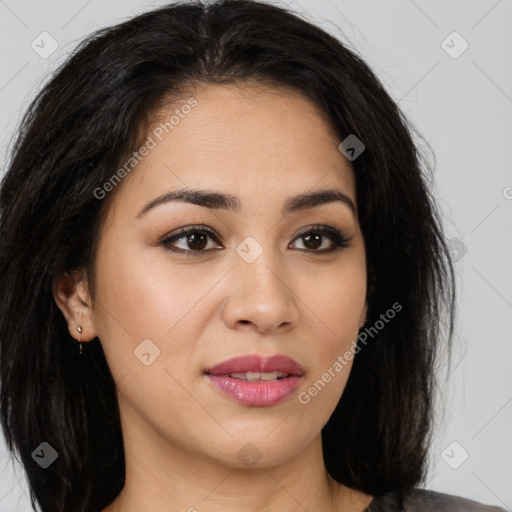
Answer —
(196, 238)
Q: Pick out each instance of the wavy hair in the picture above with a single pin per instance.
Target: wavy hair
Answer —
(92, 113)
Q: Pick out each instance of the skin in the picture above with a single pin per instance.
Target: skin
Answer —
(181, 435)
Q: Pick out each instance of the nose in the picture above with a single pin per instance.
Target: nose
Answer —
(260, 297)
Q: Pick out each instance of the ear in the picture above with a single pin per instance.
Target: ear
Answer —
(72, 297)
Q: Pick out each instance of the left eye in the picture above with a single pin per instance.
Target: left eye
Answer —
(197, 240)
(313, 240)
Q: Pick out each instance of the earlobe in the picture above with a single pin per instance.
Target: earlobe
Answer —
(71, 295)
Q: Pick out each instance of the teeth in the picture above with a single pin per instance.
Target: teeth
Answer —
(258, 375)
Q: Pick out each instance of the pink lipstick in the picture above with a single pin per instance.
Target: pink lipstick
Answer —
(256, 380)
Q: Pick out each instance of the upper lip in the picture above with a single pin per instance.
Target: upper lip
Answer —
(257, 363)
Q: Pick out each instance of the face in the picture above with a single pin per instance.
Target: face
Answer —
(260, 279)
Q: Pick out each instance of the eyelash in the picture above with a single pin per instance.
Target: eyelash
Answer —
(338, 239)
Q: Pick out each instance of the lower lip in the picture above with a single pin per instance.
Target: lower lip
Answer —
(258, 393)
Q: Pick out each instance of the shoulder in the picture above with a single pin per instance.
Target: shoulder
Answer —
(423, 500)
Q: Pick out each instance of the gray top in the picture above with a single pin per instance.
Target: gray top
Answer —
(422, 500)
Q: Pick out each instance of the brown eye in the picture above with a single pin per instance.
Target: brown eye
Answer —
(314, 238)
(313, 241)
(195, 240)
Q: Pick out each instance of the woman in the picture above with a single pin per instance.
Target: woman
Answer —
(224, 208)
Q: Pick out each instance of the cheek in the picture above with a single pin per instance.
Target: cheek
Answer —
(143, 296)
(337, 299)
(337, 306)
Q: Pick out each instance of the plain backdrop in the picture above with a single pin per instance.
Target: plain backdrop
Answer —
(448, 65)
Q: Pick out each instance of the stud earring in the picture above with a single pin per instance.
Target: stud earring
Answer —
(79, 329)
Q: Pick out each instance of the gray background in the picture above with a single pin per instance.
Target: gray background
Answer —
(462, 104)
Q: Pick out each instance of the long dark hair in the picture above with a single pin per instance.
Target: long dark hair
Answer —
(78, 131)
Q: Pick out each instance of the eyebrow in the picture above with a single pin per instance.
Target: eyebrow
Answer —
(221, 201)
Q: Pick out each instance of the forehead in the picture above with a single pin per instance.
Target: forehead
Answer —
(255, 142)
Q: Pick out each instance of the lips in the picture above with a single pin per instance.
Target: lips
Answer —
(257, 364)
(257, 381)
